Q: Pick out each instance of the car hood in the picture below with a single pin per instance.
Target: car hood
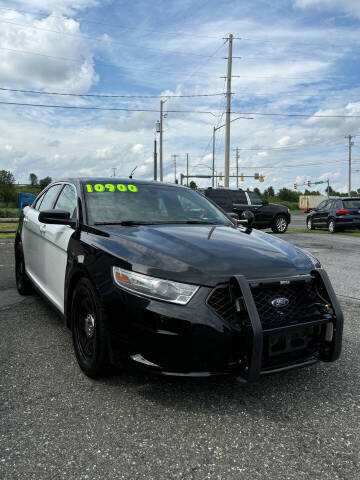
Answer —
(202, 254)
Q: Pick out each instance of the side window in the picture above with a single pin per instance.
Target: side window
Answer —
(322, 204)
(239, 197)
(38, 201)
(255, 199)
(49, 198)
(67, 200)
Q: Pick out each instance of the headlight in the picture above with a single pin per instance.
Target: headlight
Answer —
(314, 260)
(166, 290)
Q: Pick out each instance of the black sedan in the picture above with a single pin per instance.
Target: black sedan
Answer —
(335, 214)
(155, 276)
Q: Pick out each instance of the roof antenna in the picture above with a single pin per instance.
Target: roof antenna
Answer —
(132, 173)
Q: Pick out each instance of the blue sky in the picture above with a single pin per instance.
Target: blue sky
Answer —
(297, 57)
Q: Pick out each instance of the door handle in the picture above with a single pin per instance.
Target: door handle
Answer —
(43, 229)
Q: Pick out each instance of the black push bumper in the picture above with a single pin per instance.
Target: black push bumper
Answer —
(258, 338)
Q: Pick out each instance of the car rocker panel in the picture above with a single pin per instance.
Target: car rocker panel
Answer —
(191, 299)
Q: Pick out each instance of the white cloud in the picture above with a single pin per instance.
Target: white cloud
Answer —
(330, 175)
(26, 54)
(283, 141)
(137, 148)
(104, 152)
(349, 6)
(59, 6)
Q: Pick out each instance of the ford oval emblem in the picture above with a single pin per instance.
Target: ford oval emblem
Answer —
(280, 302)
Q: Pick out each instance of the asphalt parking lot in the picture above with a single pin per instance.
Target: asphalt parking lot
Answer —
(57, 424)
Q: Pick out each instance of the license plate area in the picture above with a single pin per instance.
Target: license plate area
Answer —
(291, 341)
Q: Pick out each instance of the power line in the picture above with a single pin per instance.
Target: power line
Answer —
(103, 64)
(115, 109)
(107, 40)
(127, 67)
(117, 25)
(294, 146)
(109, 95)
(296, 115)
(215, 114)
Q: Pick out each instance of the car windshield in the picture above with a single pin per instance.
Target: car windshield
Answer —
(148, 204)
(351, 203)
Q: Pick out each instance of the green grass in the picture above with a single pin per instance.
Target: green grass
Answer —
(6, 235)
(294, 206)
(347, 233)
(7, 226)
(9, 212)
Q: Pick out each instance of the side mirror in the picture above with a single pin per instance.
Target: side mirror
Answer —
(247, 217)
(56, 217)
(264, 202)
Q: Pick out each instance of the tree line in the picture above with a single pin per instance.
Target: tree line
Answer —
(8, 193)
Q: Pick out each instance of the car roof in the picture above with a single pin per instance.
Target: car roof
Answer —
(224, 189)
(344, 198)
(81, 180)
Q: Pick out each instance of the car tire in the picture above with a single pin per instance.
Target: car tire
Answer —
(332, 226)
(23, 283)
(309, 224)
(89, 333)
(280, 224)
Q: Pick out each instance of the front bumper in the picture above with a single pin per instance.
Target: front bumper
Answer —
(193, 340)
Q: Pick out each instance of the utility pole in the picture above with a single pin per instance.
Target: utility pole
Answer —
(213, 159)
(187, 169)
(174, 157)
(237, 167)
(228, 112)
(161, 139)
(155, 160)
(351, 143)
(114, 171)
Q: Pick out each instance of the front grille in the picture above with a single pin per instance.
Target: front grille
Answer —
(302, 307)
(220, 301)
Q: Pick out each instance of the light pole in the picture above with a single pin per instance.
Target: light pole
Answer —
(215, 129)
(161, 136)
(211, 168)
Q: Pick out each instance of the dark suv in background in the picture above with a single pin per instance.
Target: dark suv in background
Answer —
(267, 215)
(335, 214)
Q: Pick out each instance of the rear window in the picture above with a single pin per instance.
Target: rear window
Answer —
(221, 197)
(238, 197)
(355, 203)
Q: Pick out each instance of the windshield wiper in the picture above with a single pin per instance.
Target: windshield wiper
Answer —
(126, 222)
(169, 222)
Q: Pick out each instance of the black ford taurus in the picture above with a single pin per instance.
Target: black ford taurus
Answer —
(155, 276)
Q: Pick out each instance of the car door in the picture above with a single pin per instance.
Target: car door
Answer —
(32, 234)
(256, 206)
(56, 241)
(316, 214)
(323, 214)
(239, 202)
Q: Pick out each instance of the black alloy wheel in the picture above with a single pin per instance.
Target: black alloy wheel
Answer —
(88, 331)
(23, 283)
(280, 224)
